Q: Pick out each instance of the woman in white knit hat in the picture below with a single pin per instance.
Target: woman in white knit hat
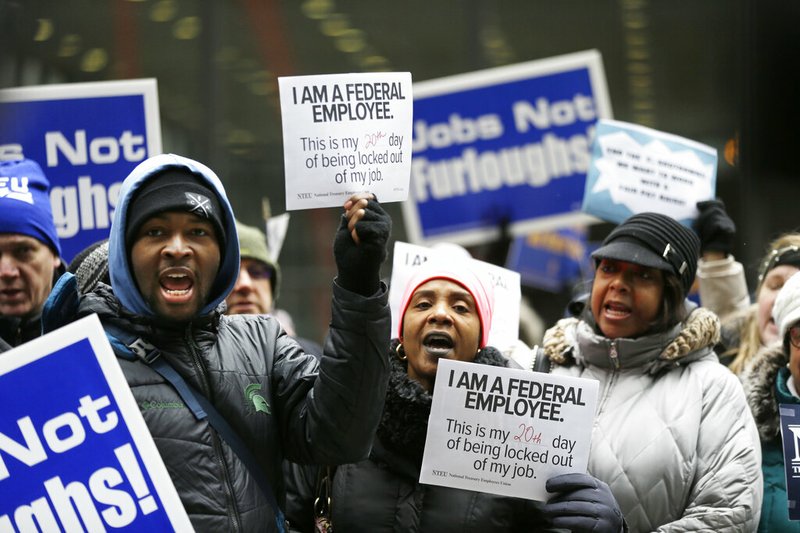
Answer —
(772, 378)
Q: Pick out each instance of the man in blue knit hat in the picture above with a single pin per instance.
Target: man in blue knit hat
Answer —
(29, 250)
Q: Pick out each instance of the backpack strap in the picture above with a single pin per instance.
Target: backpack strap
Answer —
(134, 348)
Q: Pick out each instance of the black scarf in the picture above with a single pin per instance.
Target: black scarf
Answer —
(404, 422)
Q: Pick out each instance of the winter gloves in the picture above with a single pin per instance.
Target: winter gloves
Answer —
(360, 244)
(582, 503)
(714, 227)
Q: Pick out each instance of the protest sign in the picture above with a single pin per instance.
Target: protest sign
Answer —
(790, 435)
(551, 260)
(86, 137)
(343, 134)
(507, 292)
(75, 453)
(506, 431)
(636, 169)
(507, 146)
(276, 227)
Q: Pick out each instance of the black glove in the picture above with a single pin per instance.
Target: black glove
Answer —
(714, 227)
(582, 503)
(359, 264)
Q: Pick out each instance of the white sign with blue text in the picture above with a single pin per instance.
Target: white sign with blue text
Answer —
(75, 453)
(637, 169)
(504, 147)
(506, 431)
(86, 137)
(343, 134)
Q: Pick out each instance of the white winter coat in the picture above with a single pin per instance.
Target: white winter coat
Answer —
(673, 436)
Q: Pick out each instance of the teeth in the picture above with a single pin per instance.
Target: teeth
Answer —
(177, 292)
(176, 276)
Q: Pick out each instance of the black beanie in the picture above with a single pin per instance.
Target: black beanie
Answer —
(175, 189)
(656, 241)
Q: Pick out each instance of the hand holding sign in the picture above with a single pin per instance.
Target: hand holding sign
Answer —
(360, 243)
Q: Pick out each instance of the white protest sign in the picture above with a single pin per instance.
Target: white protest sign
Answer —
(346, 133)
(506, 431)
(75, 452)
(637, 169)
(507, 292)
(276, 227)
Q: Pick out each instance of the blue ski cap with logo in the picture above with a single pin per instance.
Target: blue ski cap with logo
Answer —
(169, 182)
(25, 202)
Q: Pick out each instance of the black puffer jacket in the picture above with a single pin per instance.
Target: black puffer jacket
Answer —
(269, 391)
(383, 493)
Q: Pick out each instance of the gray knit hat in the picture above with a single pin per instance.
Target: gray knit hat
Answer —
(656, 241)
(91, 266)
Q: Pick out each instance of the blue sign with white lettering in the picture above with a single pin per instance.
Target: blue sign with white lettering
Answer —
(86, 137)
(790, 436)
(71, 459)
(508, 146)
(551, 260)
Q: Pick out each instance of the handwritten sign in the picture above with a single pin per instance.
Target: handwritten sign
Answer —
(346, 133)
(506, 431)
(75, 453)
(507, 292)
(636, 169)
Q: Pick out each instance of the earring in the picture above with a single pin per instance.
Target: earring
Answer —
(401, 352)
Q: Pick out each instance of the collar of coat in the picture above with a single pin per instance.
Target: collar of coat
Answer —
(574, 340)
(759, 379)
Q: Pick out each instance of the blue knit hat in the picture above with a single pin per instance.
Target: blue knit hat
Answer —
(25, 202)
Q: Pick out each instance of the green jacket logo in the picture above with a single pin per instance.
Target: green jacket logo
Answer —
(259, 403)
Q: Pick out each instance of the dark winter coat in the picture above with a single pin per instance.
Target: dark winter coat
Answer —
(383, 493)
(764, 380)
(282, 402)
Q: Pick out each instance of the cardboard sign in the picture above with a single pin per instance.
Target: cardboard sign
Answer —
(506, 431)
(506, 283)
(86, 137)
(790, 435)
(637, 169)
(504, 146)
(75, 453)
(343, 134)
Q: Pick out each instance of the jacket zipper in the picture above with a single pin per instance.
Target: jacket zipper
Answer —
(218, 454)
(614, 355)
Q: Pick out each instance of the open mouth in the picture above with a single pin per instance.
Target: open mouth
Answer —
(616, 310)
(176, 284)
(438, 344)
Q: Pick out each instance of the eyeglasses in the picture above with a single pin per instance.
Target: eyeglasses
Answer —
(259, 271)
(794, 335)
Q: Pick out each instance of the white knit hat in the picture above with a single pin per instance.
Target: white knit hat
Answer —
(786, 310)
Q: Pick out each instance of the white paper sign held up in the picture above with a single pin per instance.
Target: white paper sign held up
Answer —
(346, 133)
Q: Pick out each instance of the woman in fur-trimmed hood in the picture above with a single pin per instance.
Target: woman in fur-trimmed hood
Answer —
(445, 313)
(672, 436)
(770, 379)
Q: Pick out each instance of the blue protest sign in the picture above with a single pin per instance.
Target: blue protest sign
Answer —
(86, 137)
(503, 146)
(551, 260)
(790, 434)
(75, 453)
